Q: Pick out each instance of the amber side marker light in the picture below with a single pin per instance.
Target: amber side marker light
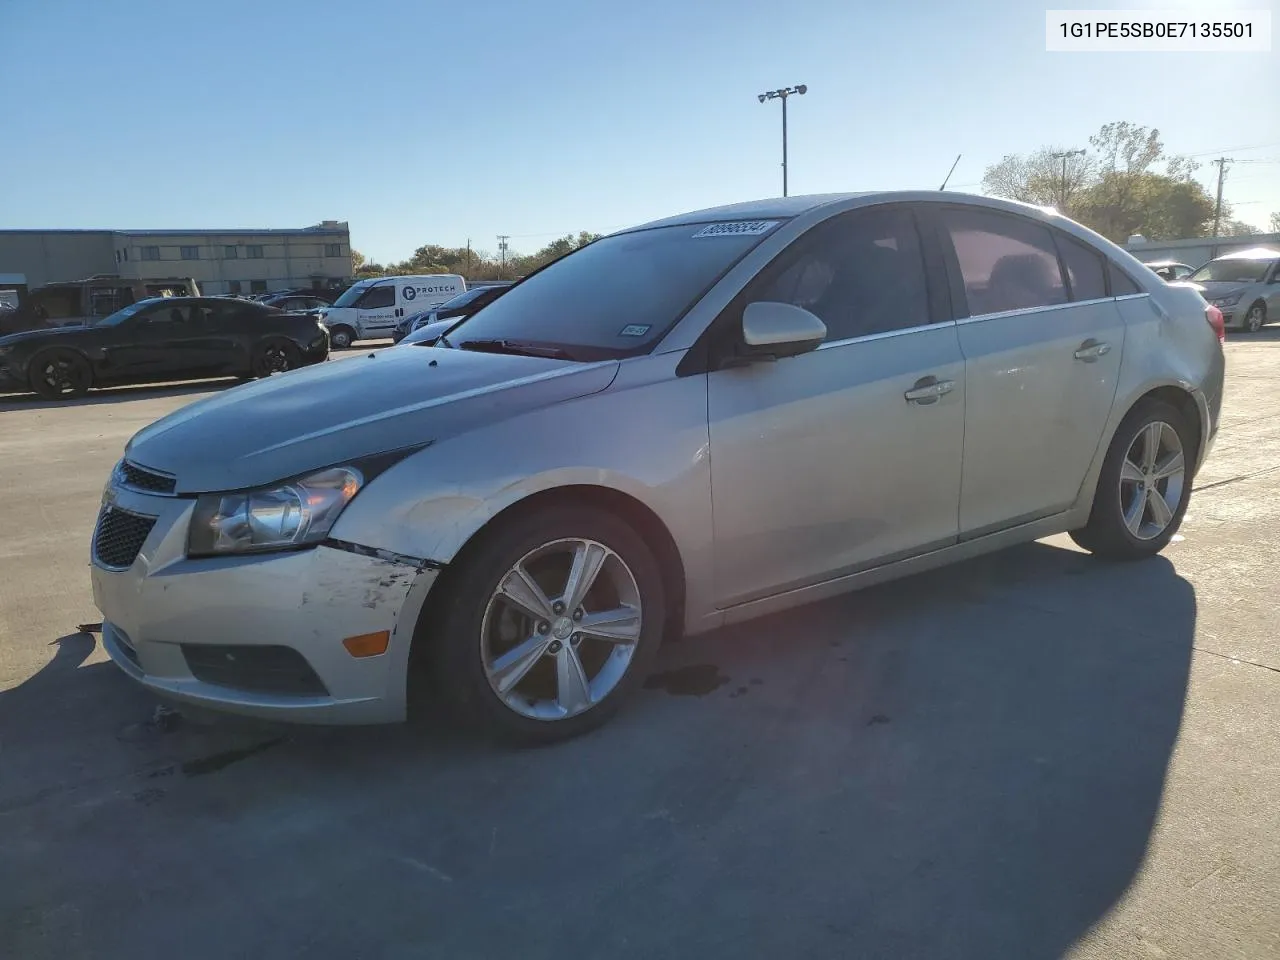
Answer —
(368, 644)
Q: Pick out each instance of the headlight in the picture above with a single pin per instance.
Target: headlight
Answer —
(292, 514)
(1230, 301)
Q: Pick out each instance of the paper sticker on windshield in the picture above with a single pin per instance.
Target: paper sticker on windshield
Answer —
(736, 228)
(634, 330)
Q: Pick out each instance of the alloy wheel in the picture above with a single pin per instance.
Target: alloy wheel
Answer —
(1152, 476)
(61, 375)
(560, 629)
(1253, 319)
(275, 359)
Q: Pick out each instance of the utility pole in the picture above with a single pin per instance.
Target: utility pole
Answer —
(502, 249)
(782, 95)
(1217, 207)
(1062, 191)
(468, 257)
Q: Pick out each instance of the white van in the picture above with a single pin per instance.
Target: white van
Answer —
(370, 309)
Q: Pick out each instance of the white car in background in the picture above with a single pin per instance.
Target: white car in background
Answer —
(1244, 285)
(370, 309)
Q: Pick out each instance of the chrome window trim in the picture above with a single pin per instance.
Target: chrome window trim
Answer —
(1047, 308)
(885, 334)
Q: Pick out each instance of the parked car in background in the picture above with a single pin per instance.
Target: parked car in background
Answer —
(463, 305)
(171, 338)
(296, 302)
(428, 334)
(1244, 285)
(865, 386)
(1170, 269)
(76, 302)
(370, 309)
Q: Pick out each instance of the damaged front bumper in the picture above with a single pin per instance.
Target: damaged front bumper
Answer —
(261, 635)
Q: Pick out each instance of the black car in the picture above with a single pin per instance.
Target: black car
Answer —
(296, 302)
(171, 338)
(463, 305)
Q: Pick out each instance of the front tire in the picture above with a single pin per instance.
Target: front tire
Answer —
(341, 337)
(547, 625)
(1144, 486)
(1256, 317)
(276, 356)
(60, 375)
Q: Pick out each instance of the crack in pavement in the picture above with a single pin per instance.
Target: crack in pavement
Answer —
(1244, 476)
(1227, 656)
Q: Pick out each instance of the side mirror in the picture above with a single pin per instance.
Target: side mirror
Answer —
(772, 330)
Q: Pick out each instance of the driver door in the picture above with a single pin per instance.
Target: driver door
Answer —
(376, 312)
(849, 456)
(161, 342)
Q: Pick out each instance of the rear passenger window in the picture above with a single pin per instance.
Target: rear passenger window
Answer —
(1085, 270)
(1007, 263)
(1121, 285)
(861, 273)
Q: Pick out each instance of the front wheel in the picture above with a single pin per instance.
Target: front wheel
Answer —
(1144, 486)
(60, 375)
(276, 356)
(341, 337)
(1256, 317)
(547, 625)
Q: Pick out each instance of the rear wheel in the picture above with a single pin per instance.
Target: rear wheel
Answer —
(341, 337)
(1144, 486)
(275, 356)
(60, 375)
(1256, 317)
(548, 624)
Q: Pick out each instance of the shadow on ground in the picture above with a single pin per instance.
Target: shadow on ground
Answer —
(149, 391)
(962, 764)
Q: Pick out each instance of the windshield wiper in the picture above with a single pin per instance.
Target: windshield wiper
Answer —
(515, 348)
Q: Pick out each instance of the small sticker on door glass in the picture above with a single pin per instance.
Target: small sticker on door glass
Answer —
(736, 228)
(634, 330)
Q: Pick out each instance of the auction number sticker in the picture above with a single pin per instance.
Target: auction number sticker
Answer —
(737, 228)
(1201, 29)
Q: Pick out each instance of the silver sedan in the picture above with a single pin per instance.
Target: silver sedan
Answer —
(680, 426)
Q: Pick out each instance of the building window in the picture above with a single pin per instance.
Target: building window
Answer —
(126, 254)
(190, 253)
(257, 286)
(253, 251)
(230, 252)
(333, 249)
(234, 286)
(150, 253)
(117, 256)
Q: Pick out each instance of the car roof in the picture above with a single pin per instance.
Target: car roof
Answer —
(1256, 253)
(1166, 263)
(788, 207)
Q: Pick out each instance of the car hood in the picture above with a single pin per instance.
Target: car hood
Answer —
(43, 333)
(1216, 289)
(346, 409)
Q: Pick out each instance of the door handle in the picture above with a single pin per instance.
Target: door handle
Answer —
(928, 389)
(1091, 350)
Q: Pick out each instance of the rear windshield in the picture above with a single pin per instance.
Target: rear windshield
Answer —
(617, 296)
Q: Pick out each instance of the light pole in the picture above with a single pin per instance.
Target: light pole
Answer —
(782, 95)
(1063, 157)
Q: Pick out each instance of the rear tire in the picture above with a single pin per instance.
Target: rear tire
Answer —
(276, 356)
(1256, 317)
(570, 679)
(341, 337)
(1144, 486)
(60, 374)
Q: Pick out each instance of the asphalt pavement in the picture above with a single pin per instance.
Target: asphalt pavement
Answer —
(1030, 755)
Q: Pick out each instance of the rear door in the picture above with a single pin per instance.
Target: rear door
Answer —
(1042, 342)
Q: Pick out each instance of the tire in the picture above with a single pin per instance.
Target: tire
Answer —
(473, 629)
(341, 337)
(60, 374)
(1255, 318)
(1120, 528)
(275, 356)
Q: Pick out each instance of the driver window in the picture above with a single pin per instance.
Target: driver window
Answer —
(861, 273)
(377, 297)
(165, 314)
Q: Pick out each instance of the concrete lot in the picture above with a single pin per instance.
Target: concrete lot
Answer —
(1031, 755)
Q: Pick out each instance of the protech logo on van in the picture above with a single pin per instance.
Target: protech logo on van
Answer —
(411, 293)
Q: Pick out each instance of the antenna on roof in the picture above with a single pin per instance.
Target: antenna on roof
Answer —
(950, 172)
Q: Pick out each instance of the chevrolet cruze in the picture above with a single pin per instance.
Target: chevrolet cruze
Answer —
(683, 425)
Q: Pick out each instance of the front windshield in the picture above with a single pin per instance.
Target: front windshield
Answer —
(617, 296)
(352, 294)
(111, 319)
(1231, 271)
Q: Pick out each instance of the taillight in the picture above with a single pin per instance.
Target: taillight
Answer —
(1214, 316)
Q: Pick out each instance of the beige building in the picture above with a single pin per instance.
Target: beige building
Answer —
(221, 261)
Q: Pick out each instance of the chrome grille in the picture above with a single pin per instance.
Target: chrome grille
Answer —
(119, 537)
(140, 478)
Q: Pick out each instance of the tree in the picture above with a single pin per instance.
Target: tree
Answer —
(1275, 222)
(357, 260)
(1124, 184)
(1237, 228)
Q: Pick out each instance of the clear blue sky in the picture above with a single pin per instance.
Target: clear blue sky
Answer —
(437, 122)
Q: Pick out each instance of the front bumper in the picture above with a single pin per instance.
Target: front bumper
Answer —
(163, 614)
